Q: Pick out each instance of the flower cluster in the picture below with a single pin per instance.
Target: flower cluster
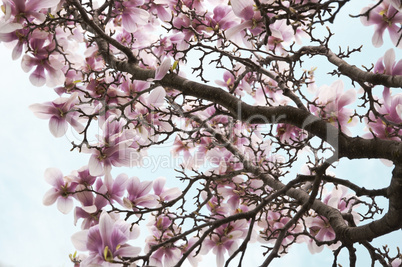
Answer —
(119, 69)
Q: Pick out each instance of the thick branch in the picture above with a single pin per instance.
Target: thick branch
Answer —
(345, 146)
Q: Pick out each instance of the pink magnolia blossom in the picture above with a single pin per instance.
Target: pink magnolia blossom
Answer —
(60, 113)
(387, 64)
(107, 241)
(384, 16)
(332, 101)
(162, 229)
(160, 9)
(223, 18)
(271, 225)
(113, 149)
(289, 134)
(91, 207)
(225, 239)
(181, 145)
(165, 194)
(390, 106)
(132, 15)
(48, 68)
(18, 38)
(62, 191)
(16, 11)
(84, 177)
(138, 194)
(216, 206)
(319, 226)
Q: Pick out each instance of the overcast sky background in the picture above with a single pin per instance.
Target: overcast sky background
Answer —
(35, 235)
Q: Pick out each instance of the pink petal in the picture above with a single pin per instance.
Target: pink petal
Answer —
(10, 27)
(43, 111)
(157, 97)
(37, 77)
(39, 4)
(159, 183)
(95, 166)
(85, 197)
(79, 240)
(231, 32)
(243, 9)
(395, 34)
(389, 59)
(129, 251)
(50, 196)
(133, 16)
(75, 124)
(347, 98)
(220, 259)
(90, 209)
(94, 240)
(105, 226)
(54, 177)
(171, 193)
(377, 37)
(399, 110)
(58, 126)
(163, 69)
(120, 184)
(397, 4)
(55, 77)
(27, 63)
(64, 204)
(17, 51)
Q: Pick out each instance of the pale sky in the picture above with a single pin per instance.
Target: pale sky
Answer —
(36, 235)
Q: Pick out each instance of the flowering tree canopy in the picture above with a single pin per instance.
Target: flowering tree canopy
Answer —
(224, 86)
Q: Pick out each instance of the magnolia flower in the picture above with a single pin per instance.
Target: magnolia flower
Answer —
(331, 101)
(162, 228)
(225, 239)
(387, 64)
(131, 15)
(390, 106)
(138, 194)
(61, 113)
(48, 68)
(271, 225)
(165, 194)
(319, 226)
(91, 207)
(384, 16)
(17, 11)
(107, 241)
(113, 149)
(62, 191)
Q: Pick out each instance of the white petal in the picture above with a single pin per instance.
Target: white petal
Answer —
(57, 126)
(79, 240)
(50, 197)
(399, 110)
(163, 69)
(95, 166)
(65, 205)
(157, 97)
